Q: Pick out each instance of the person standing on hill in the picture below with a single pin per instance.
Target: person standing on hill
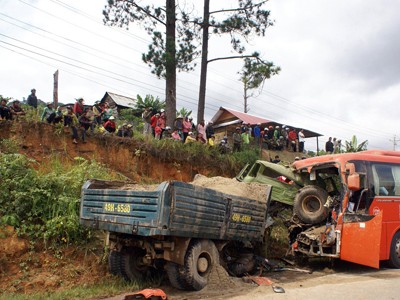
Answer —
(146, 116)
(257, 134)
(79, 107)
(201, 128)
(329, 146)
(301, 140)
(32, 99)
(97, 112)
(237, 140)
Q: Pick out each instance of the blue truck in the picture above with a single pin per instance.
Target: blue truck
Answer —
(180, 228)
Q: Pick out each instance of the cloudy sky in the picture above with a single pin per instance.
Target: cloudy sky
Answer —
(340, 71)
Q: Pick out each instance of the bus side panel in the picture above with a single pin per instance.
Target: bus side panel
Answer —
(390, 221)
(360, 242)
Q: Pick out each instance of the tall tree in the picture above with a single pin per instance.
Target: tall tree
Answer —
(253, 75)
(246, 20)
(162, 56)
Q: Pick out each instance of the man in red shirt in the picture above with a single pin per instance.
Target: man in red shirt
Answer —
(293, 139)
(79, 107)
(110, 124)
(153, 122)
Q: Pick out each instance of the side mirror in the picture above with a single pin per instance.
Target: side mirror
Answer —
(353, 182)
(350, 168)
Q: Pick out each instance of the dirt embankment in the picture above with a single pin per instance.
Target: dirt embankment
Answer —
(126, 156)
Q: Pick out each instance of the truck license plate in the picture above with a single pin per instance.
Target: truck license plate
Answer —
(115, 207)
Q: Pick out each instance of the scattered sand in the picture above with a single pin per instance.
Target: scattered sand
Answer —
(232, 186)
(224, 185)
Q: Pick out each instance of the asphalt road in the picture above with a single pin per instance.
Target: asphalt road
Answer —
(364, 285)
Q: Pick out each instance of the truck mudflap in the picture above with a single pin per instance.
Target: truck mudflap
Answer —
(361, 241)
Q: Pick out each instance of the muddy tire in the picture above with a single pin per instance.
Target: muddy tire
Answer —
(394, 259)
(309, 204)
(132, 267)
(176, 275)
(201, 257)
(115, 262)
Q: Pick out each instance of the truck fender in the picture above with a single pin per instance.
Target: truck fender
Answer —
(177, 252)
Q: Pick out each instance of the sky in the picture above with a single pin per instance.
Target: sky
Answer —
(340, 71)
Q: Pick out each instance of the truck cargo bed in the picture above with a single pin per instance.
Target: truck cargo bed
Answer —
(173, 209)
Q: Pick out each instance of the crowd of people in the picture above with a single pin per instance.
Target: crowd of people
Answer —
(333, 145)
(81, 119)
(273, 138)
(183, 130)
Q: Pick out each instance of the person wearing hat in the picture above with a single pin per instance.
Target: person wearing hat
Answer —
(190, 138)
(276, 133)
(32, 99)
(237, 139)
(167, 134)
(49, 113)
(110, 125)
(79, 107)
(123, 130)
(97, 112)
(178, 126)
(16, 110)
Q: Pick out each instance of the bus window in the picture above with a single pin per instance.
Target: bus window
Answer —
(386, 179)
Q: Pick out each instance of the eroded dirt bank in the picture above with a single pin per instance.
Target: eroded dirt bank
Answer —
(126, 156)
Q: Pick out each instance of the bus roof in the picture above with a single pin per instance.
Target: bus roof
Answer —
(368, 155)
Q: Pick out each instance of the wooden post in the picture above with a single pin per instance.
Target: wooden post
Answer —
(55, 90)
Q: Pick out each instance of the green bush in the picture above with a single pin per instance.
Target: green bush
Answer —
(45, 203)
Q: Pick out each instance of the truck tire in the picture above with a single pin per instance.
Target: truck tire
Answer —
(132, 267)
(394, 259)
(176, 275)
(115, 262)
(201, 257)
(309, 204)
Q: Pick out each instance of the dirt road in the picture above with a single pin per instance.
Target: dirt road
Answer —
(342, 282)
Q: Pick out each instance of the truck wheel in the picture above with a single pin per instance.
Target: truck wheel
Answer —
(309, 204)
(115, 262)
(394, 259)
(176, 275)
(132, 266)
(200, 259)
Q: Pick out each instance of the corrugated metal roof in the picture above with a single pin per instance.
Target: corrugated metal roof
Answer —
(120, 100)
(253, 120)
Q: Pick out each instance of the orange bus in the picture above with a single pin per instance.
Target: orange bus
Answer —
(361, 206)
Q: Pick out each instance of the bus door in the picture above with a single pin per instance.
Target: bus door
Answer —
(361, 231)
(361, 239)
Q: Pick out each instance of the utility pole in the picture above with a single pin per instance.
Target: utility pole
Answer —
(395, 140)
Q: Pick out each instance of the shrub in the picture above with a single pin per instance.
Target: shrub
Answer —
(44, 203)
